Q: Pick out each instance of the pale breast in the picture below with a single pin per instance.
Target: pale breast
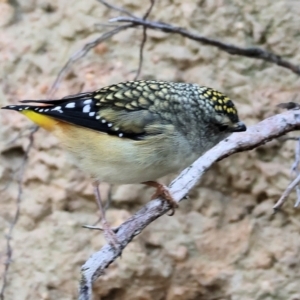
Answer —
(121, 161)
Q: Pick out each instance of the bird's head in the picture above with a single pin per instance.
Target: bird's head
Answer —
(221, 111)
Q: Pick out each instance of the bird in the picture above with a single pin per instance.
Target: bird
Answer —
(136, 131)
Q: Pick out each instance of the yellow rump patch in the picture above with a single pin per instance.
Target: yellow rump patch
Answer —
(46, 122)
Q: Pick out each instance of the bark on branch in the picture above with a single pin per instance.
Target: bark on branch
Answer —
(255, 136)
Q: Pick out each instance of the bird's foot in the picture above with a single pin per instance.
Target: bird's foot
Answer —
(110, 236)
(163, 192)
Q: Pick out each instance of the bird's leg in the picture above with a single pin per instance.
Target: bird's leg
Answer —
(109, 198)
(107, 204)
(109, 234)
(163, 192)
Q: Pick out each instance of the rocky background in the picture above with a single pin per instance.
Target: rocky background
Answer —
(224, 242)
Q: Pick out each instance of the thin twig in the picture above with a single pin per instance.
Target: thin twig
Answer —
(143, 40)
(288, 138)
(295, 170)
(100, 25)
(297, 203)
(114, 229)
(255, 136)
(146, 15)
(9, 250)
(141, 53)
(286, 193)
(117, 8)
(82, 52)
(251, 52)
(295, 166)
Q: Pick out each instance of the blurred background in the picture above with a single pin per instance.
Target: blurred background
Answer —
(224, 242)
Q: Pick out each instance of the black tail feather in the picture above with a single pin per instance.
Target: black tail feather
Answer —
(81, 96)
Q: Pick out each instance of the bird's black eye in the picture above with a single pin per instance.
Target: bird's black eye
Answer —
(223, 127)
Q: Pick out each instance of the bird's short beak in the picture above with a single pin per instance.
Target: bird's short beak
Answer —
(238, 127)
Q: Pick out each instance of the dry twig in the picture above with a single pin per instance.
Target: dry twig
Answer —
(286, 193)
(255, 136)
(143, 41)
(251, 52)
(117, 8)
(295, 182)
(134, 21)
(295, 169)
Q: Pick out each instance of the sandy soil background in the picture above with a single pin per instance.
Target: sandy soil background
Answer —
(223, 243)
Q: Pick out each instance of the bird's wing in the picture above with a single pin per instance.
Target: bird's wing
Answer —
(124, 109)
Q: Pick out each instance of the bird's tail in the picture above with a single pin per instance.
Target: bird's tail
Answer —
(32, 113)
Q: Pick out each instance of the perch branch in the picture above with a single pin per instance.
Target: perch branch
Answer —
(255, 136)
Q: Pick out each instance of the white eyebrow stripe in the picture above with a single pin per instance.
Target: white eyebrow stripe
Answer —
(70, 105)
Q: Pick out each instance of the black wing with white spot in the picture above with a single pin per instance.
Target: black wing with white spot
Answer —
(118, 110)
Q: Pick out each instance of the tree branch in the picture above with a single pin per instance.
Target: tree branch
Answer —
(255, 136)
(251, 52)
(134, 21)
